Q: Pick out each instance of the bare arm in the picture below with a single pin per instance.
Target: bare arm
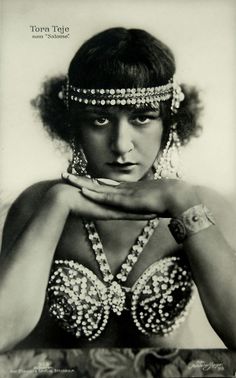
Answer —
(212, 257)
(31, 235)
(25, 269)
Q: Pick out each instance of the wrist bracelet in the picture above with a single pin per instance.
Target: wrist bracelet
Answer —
(190, 222)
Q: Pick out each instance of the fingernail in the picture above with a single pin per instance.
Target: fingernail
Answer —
(108, 182)
(65, 175)
(86, 190)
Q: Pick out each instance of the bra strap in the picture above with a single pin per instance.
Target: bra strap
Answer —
(132, 257)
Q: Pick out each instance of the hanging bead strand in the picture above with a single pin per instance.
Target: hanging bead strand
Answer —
(132, 257)
(137, 249)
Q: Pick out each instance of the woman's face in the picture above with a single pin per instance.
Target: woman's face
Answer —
(119, 144)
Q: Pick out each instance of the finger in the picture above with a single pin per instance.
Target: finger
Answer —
(94, 185)
(90, 183)
(108, 189)
(108, 182)
(100, 184)
(101, 211)
(106, 213)
(123, 215)
(80, 181)
(114, 198)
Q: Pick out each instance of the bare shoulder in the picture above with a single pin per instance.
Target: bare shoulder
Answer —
(22, 210)
(223, 209)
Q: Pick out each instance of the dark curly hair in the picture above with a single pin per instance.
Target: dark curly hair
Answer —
(119, 58)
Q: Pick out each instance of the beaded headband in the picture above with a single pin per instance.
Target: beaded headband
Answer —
(148, 96)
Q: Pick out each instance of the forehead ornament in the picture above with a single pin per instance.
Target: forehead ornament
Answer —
(138, 97)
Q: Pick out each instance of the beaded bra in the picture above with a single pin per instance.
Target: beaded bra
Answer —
(158, 301)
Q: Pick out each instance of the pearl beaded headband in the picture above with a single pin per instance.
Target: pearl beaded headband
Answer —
(125, 96)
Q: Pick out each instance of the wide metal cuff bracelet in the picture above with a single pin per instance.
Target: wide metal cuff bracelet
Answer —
(190, 222)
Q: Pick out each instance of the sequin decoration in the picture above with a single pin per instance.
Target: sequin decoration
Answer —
(116, 297)
(161, 297)
(137, 97)
(81, 303)
(121, 96)
(77, 299)
(132, 257)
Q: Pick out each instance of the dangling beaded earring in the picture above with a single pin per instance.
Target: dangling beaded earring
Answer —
(78, 164)
(168, 165)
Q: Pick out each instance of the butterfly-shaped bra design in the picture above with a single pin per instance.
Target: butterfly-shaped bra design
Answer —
(159, 299)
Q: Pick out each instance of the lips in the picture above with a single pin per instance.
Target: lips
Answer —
(121, 165)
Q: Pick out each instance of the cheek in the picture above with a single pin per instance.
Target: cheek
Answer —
(151, 142)
(94, 146)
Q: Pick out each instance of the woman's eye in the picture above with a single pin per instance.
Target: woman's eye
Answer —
(141, 120)
(102, 121)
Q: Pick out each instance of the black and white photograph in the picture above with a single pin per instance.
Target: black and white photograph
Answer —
(118, 188)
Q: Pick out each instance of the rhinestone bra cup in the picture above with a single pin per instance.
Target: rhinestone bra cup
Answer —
(81, 303)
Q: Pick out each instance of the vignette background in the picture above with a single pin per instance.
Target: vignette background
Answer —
(202, 36)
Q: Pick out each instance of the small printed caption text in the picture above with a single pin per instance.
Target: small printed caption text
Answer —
(50, 32)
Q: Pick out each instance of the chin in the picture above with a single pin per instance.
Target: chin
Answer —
(123, 178)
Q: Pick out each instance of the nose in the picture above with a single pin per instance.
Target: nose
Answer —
(122, 137)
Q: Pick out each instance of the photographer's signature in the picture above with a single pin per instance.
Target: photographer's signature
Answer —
(205, 366)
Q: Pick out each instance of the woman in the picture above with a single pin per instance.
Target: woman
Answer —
(114, 253)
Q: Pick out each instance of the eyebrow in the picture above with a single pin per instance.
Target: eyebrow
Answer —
(114, 110)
